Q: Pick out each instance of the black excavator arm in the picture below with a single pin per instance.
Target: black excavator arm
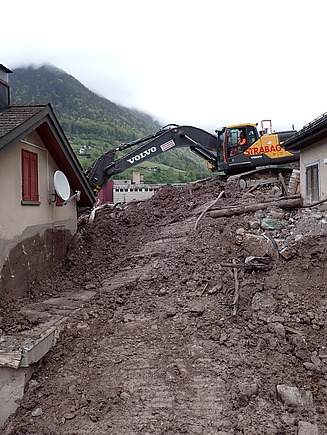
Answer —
(168, 138)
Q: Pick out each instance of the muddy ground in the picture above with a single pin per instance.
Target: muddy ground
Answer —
(210, 326)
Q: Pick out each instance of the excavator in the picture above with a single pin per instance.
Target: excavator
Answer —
(230, 151)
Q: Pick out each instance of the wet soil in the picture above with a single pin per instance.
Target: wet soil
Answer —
(196, 326)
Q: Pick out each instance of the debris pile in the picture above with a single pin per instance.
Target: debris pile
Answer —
(201, 323)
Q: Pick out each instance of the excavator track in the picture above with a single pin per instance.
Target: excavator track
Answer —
(287, 179)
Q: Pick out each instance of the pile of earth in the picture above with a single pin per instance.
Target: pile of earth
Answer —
(199, 325)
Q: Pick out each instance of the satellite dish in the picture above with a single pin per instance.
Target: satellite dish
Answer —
(61, 185)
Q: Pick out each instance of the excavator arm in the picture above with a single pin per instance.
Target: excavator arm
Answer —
(168, 138)
(223, 151)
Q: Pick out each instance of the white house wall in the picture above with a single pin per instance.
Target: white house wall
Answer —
(312, 154)
(38, 225)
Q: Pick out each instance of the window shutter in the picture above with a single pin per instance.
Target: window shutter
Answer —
(33, 178)
(30, 190)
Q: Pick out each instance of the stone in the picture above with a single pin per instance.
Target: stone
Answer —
(124, 396)
(277, 329)
(248, 390)
(196, 308)
(90, 286)
(288, 419)
(171, 312)
(288, 252)
(277, 214)
(254, 224)
(69, 416)
(263, 301)
(272, 281)
(271, 224)
(294, 396)
(306, 428)
(258, 246)
(37, 412)
(216, 288)
(312, 367)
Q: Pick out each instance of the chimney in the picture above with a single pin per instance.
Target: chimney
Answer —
(4, 87)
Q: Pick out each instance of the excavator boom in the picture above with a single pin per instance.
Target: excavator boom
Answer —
(171, 137)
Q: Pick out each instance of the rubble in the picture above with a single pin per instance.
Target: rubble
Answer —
(184, 333)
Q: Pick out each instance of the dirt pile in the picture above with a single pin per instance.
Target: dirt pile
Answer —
(198, 326)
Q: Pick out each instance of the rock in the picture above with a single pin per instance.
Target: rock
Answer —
(90, 286)
(129, 318)
(276, 214)
(215, 335)
(258, 246)
(288, 252)
(223, 337)
(33, 384)
(124, 396)
(312, 367)
(196, 308)
(257, 262)
(277, 329)
(69, 416)
(215, 289)
(271, 224)
(306, 428)
(278, 319)
(315, 359)
(248, 390)
(294, 396)
(263, 301)
(254, 224)
(272, 281)
(171, 312)
(288, 419)
(37, 412)
(191, 284)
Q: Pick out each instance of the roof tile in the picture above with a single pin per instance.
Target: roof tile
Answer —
(14, 115)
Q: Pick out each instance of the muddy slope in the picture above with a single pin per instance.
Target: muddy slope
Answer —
(210, 326)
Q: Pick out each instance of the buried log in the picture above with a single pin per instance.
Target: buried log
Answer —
(240, 209)
(236, 291)
(208, 208)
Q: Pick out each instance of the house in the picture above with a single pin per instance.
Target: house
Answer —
(42, 186)
(311, 140)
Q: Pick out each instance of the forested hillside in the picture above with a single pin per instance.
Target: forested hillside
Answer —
(94, 124)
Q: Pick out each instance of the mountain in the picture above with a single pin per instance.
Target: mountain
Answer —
(94, 124)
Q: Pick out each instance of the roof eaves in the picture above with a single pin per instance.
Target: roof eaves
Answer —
(5, 69)
(309, 134)
(68, 152)
(31, 117)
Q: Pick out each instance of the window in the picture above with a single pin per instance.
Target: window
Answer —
(312, 182)
(30, 188)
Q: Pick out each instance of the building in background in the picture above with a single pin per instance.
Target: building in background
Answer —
(311, 140)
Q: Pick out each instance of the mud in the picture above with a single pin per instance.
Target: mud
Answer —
(210, 326)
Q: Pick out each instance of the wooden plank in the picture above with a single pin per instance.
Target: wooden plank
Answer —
(10, 359)
(240, 209)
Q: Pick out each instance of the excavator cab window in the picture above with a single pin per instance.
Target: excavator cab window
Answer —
(236, 141)
(252, 135)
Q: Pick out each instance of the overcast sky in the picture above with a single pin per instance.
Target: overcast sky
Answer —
(207, 63)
